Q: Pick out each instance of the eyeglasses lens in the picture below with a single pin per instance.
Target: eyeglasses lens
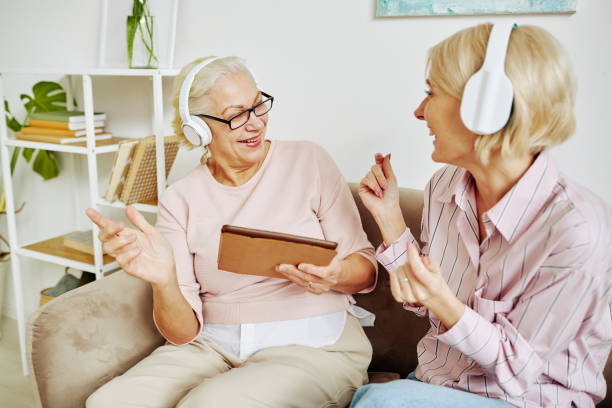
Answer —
(259, 110)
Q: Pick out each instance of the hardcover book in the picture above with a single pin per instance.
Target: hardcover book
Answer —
(121, 164)
(31, 130)
(141, 180)
(59, 139)
(54, 124)
(66, 116)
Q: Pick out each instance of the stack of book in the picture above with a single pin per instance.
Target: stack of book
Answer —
(61, 127)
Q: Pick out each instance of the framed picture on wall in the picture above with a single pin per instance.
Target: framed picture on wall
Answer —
(390, 8)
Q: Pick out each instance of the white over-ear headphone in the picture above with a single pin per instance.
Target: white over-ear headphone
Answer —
(487, 97)
(195, 129)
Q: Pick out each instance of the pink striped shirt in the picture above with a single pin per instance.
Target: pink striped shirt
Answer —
(537, 328)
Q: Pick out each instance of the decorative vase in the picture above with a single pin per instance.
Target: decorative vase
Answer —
(141, 42)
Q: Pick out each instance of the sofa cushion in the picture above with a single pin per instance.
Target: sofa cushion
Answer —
(396, 331)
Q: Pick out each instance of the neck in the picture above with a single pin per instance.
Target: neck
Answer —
(234, 174)
(495, 179)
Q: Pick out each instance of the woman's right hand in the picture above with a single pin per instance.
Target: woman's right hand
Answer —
(379, 193)
(142, 252)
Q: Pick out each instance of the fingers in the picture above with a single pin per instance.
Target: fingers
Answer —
(138, 220)
(322, 272)
(309, 282)
(387, 169)
(378, 158)
(377, 171)
(396, 291)
(377, 179)
(419, 271)
(108, 228)
(116, 244)
(370, 182)
(127, 259)
(431, 265)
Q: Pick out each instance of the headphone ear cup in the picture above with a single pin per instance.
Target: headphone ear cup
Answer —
(203, 130)
(197, 132)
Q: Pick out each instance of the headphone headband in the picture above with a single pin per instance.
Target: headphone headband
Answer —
(195, 129)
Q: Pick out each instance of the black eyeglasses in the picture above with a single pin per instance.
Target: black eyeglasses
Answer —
(243, 117)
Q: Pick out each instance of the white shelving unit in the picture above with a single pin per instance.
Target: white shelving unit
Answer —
(51, 249)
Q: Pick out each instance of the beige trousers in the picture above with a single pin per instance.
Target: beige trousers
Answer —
(199, 374)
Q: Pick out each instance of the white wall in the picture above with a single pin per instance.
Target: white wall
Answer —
(341, 77)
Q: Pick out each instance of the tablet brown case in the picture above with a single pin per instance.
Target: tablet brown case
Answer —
(257, 252)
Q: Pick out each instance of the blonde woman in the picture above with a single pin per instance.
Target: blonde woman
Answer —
(243, 340)
(513, 267)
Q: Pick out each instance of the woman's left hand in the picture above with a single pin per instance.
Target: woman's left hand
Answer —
(315, 279)
(420, 282)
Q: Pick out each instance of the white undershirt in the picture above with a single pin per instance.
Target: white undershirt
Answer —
(242, 340)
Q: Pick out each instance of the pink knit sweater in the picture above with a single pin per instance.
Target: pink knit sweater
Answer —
(298, 190)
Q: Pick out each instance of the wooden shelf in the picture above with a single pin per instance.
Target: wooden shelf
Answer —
(111, 71)
(102, 146)
(53, 250)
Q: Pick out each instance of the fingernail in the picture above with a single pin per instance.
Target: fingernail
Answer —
(301, 267)
(282, 268)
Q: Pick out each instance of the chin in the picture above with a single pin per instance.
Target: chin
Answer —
(435, 156)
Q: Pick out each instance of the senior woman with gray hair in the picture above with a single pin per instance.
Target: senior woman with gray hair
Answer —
(236, 340)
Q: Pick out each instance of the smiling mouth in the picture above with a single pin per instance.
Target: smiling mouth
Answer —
(251, 140)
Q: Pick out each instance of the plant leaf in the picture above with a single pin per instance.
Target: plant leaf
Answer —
(27, 153)
(11, 122)
(48, 96)
(132, 23)
(45, 165)
(138, 8)
(14, 158)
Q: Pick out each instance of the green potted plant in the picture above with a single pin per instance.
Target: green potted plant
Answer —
(141, 47)
(46, 96)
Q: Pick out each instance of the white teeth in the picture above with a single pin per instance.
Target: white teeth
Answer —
(249, 140)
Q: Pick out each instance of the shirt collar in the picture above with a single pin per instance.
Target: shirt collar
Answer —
(458, 186)
(518, 207)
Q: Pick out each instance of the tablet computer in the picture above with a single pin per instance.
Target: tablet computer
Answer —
(257, 252)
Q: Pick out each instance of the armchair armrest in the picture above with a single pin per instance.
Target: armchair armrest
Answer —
(87, 336)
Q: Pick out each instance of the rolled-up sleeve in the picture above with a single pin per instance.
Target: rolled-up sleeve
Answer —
(394, 256)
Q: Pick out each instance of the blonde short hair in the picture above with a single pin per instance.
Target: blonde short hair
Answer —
(203, 82)
(542, 78)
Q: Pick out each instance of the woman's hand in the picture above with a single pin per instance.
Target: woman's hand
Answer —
(379, 193)
(313, 278)
(420, 282)
(142, 252)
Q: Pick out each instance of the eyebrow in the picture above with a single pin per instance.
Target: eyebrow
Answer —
(241, 106)
(427, 82)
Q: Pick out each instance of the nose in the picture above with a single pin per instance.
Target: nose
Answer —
(419, 112)
(256, 122)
